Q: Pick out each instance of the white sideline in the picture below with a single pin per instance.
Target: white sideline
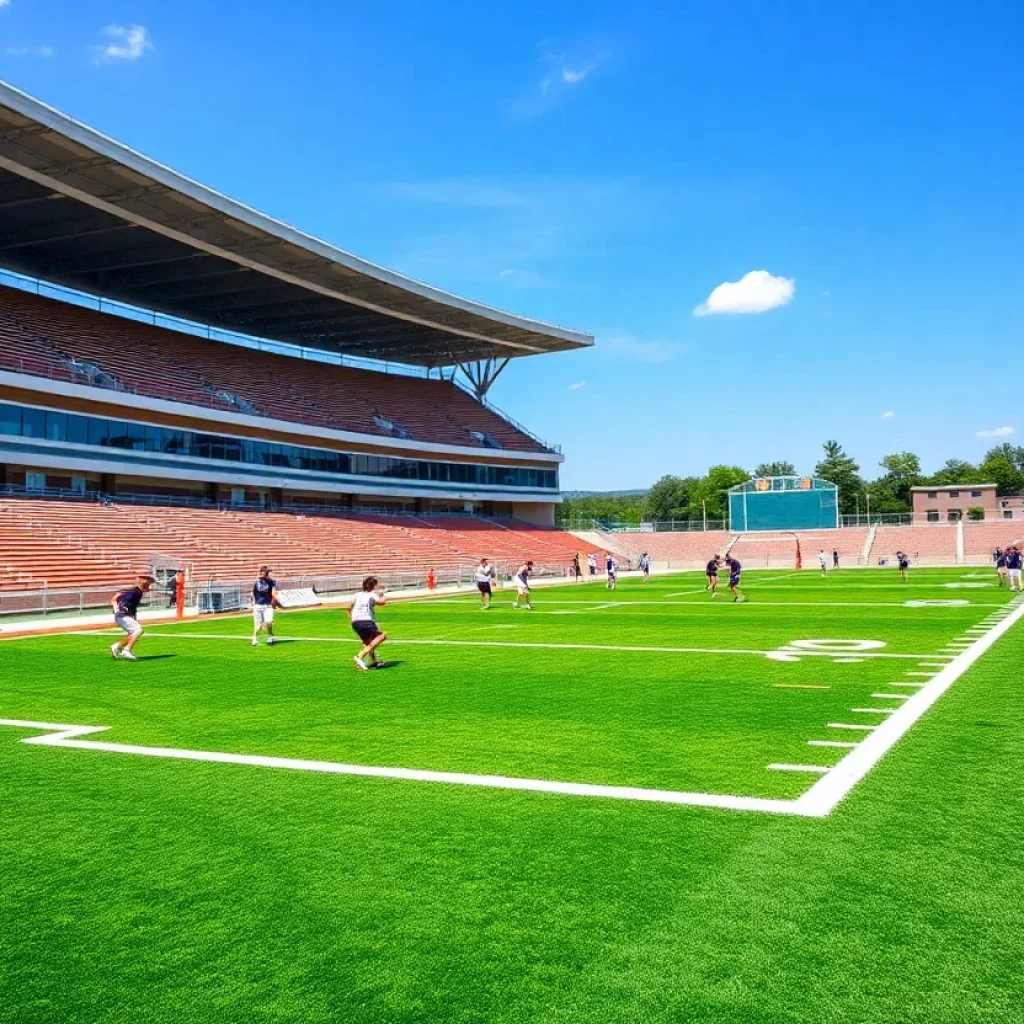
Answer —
(393, 641)
(65, 736)
(823, 796)
(817, 802)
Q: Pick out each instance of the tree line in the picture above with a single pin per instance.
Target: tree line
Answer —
(696, 497)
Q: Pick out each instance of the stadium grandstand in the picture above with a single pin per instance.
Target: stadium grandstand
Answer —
(177, 387)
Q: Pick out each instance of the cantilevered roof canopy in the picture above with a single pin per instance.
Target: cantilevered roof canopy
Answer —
(81, 210)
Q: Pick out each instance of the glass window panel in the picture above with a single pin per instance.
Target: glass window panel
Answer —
(78, 429)
(10, 420)
(97, 431)
(33, 423)
(56, 426)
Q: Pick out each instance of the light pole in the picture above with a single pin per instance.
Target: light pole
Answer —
(867, 498)
(704, 510)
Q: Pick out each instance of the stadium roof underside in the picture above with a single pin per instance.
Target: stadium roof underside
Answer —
(84, 211)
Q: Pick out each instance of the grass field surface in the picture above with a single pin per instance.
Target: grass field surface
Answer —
(152, 888)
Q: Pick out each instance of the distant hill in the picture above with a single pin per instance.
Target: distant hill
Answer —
(638, 493)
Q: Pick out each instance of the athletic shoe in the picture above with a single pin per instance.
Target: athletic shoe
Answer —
(714, 593)
(128, 656)
(360, 664)
(115, 651)
(270, 641)
(255, 642)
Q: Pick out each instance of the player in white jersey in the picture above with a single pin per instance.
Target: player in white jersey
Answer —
(522, 581)
(364, 623)
(823, 561)
(645, 567)
(484, 577)
(612, 569)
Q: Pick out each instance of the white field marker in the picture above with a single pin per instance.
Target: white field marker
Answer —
(920, 673)
(394, 641)
(66, 736)
(817, 768)
(874, 711)
(816, 802)
(891, 696)
(827, 792)
(830, 743)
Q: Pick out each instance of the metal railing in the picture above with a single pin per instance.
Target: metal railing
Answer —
(232, 595)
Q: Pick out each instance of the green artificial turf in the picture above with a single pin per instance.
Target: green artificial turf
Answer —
(138, 889)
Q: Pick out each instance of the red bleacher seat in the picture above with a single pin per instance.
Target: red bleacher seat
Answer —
(43, 337)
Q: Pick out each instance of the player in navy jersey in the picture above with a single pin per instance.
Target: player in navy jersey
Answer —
(903, 561)
(711, 571)
(264, 598)
(1014, 564)
(125, 604)
(734, 578)
(1001, 570)
(612, 569)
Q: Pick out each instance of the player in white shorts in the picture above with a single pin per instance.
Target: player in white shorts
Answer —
(125, 604)
(823, 561)
(1014, 564)
(612, 569)
(522, 581)
(264, 597)
(484, 577)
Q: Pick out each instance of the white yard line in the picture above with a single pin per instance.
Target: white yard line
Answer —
(874, 711)
(831, 743)
(891, 696)
(823, 796)
(66, 736)
(817, 802)
(395, 641)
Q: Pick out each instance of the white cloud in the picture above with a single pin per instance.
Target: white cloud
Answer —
(559, 76)
(997, 432)
(574, 77)
(29, 51)
(128, 43)
(5, 3)
(888, 415)
(579, 384)
(756, 292)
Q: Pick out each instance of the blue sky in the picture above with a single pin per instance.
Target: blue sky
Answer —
(607, 166)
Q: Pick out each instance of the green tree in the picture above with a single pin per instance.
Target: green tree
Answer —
(902, 472)
(1004, 466)
(956, 471)
(975, 513)
(838, 468)
(999, 470)
(669, 498)
(713, 490)
(775, 469)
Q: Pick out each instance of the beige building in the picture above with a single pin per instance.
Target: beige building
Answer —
(950, 503)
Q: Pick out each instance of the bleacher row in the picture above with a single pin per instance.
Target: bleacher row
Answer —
(69, 544)
(48, 338)
(926, 544)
